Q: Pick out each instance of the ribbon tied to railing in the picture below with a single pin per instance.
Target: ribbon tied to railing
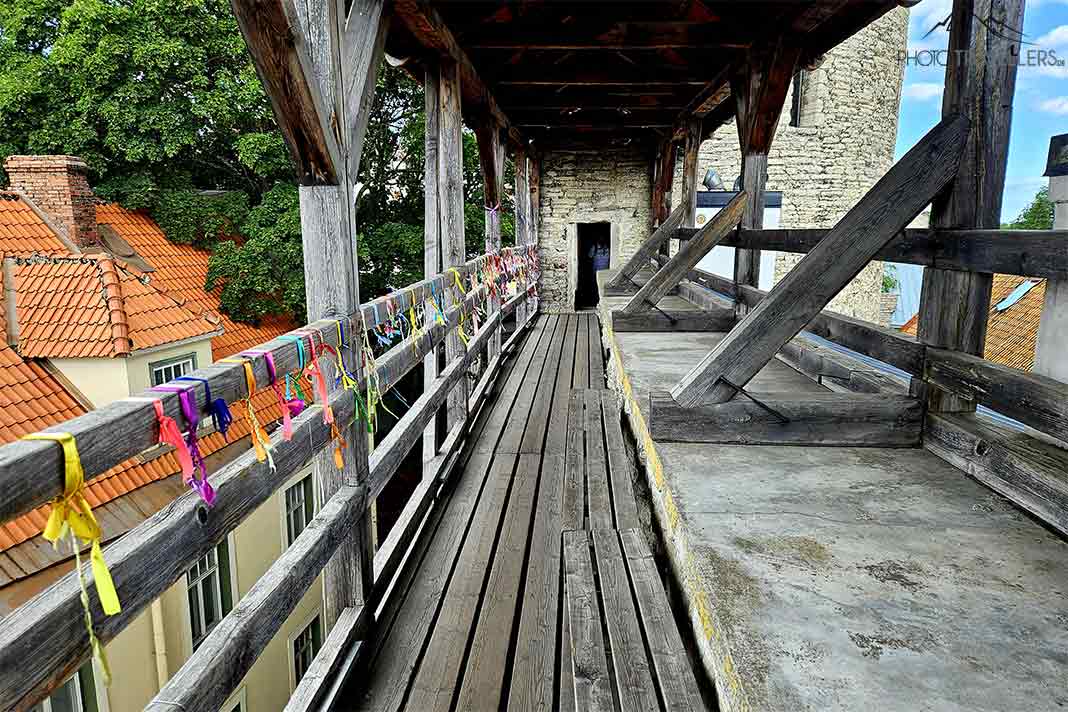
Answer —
(71, 514)
(260, 441)
(220, 413)
(187, 450)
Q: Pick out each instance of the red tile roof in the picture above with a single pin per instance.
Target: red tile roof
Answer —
(22, 231)
(1011, 332)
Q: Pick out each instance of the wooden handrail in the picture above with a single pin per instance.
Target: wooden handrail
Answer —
(156, 553)
(120, 430)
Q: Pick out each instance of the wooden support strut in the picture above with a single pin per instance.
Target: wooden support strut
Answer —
(647, 249)
(668, 276)
(895, 200)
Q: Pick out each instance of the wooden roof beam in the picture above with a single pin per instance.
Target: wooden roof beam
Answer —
(427, 27)
(669, 34)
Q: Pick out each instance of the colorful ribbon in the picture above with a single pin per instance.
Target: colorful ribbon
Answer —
(188, 401)
(72, 514)
(260, 441)
(169, 434)
(221, 417)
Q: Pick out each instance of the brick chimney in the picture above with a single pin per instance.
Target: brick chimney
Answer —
(58, 185)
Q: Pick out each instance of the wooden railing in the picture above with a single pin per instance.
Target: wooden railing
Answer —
(155, 554)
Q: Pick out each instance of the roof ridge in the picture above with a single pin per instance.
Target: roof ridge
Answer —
(120, 326)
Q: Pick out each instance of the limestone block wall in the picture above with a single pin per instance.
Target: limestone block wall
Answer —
(845, 143)
(614, 186)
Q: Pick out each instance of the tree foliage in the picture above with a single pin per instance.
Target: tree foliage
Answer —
(163, 103)
(1038, 215)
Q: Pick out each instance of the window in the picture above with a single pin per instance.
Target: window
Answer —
(210, 591)
(239, 704)
(164, 371)
(300, 508)
(798, 97)
(78, 694)
(305, 646)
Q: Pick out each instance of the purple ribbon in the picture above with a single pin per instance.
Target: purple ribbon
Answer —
(220, 413)
(189, 410)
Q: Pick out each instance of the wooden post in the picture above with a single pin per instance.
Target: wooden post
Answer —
(331, 276)
(665, 176)
(534, 177)
(980, 81)
(431, 245)
(747, 262)
(522, 214)
(1052, 342)
(490, 157)
(451, 203)
(689, 171)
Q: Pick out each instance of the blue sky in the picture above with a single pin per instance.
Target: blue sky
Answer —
(1041, 105)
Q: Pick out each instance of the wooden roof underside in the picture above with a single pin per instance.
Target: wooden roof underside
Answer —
(602, 73)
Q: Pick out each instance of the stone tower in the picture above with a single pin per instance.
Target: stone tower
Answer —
(836, 143)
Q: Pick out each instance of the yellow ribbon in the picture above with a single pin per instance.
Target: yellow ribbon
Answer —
(72, 514)
(261, 442)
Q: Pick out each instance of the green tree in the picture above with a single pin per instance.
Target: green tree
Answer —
(1038, 215)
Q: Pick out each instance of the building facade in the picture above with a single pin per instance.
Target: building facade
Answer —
(836, 137)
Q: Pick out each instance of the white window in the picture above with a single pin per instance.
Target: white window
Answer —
(210, 591)
(166, 371)
(300, 508)
(305, 647)
(77, 694)
(239, 704)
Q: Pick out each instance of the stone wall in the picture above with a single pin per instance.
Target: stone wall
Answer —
(844, 144)
(612, 185)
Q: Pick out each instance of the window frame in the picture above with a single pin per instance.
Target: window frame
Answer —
(799, 84)
(313, 618)
(235, 594)
(170, 363)
(99, 701)
(309, 505)
(239, 702)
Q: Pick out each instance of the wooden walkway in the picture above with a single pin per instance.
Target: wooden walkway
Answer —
(505, 584)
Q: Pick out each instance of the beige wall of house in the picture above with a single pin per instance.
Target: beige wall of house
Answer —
(139, 364)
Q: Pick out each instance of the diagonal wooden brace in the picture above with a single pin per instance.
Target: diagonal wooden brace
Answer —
(668, 276)
(895, 200)
(647, 249)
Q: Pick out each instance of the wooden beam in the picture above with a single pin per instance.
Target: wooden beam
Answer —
(984, 43)
(522, 209)
(754, 178)
(668, 276)
(1028, 253)
(329, 663)
(759, 87)
(427, 27)
(451, 210)
(691, 151)
(363, 39)
(280, 52)
(228, 652)
(431, 237)
(1038, 401)
(895, 200)
(534, 181)
(491, 159)
(664, 34)
(1028, 472)
(640, 259)
(664, 179)
(838, 419)
(668, 320)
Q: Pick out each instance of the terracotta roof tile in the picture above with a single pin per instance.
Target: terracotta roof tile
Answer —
(22, 232)
(1010, 333)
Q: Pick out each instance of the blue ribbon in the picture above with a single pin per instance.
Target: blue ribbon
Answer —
(220, 413)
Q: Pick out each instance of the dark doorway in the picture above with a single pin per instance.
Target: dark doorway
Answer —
(594, 254)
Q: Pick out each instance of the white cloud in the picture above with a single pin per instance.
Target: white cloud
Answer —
(923, 91)
(1056, 105)
(1057, 37)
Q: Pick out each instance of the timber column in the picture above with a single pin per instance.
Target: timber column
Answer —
(431, 245)
(980, 81)
(491, 158)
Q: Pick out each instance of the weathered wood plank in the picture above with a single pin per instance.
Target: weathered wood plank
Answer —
(620, 467)
(809, 287)
(514, 433)
(538, 422)
(634, 681)
(574, 512)
(230, 649)
(279, 50)
(149, 560)
(596, 353)
(1038, 401)
(640, 259)
(691, 149)
(581, 377)
(593, 688)
(747, 262)
(433, 686)
(674, 675)
(668, 276)
(362, 42)
(1025, 470)
(984, 41)
(598, 492)
(487, 661)
(665, 176)
(816, 419)
(431, 234)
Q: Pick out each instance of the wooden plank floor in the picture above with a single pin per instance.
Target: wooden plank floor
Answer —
(481, 623)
